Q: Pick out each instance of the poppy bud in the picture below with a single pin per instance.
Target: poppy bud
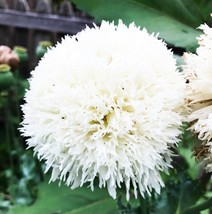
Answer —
(42, 48)
(6, 77)
(22, 53)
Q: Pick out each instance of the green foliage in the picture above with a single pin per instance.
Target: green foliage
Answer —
(175, 20)
(187, 186)
(19, 172)
(185, 149)
(24, 180)
(180, 193)
(54, 199)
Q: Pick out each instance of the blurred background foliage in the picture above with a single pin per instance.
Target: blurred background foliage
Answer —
(176, 21)
(23, 187)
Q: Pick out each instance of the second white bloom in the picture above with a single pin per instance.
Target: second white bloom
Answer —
(198, 71)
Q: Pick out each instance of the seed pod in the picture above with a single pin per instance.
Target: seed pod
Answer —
(42, 48)
(6, 77)
(22, 53)
(10, 59)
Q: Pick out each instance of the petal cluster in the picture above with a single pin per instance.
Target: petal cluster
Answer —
(106, 105)
(198, 72)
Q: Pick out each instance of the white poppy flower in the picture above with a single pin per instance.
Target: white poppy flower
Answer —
(198, 71)
(106, 104)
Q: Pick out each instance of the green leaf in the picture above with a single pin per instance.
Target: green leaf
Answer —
(102, 206)
(205, 8)
(63, 200)
(188, 155)
(178, 195)
(186, 150)
(175, 20)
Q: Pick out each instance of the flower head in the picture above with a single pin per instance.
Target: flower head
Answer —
(106, 104)
(198, 71)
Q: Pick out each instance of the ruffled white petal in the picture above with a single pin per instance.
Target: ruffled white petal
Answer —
(198, 71)
(106, 104)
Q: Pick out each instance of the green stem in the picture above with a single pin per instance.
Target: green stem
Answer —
(196, 209)
(143, 205)
(18, 144)
(16, 73)
(8, 136)
(11, 125)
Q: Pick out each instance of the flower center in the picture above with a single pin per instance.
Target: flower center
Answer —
(112, 121)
